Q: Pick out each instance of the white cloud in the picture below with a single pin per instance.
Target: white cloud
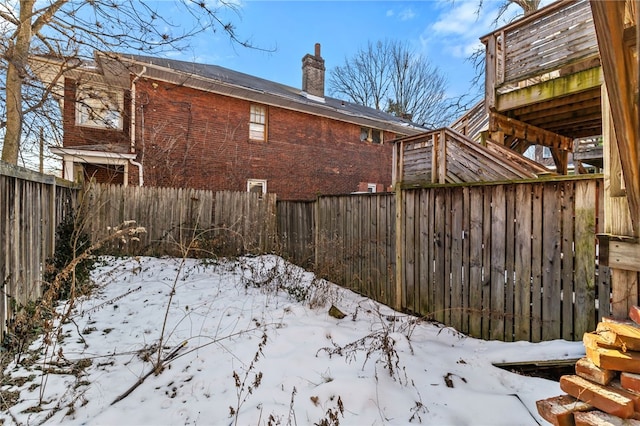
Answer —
(457, 20)
(407, 14)
(404, 15)
(457, 30)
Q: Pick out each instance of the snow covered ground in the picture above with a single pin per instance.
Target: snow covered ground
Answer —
(251, 342)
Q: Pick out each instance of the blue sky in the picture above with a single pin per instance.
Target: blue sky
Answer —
(445, 31)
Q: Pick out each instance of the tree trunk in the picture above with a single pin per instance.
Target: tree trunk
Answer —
(16, 72)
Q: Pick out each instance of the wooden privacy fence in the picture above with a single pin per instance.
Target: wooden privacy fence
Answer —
(296, 231)
(507, 262)
(355, 237)
(515, 261)
(177, 219)
(31, 206)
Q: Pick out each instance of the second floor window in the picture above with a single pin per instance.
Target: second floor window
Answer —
(99, 107)
(368, 134)
(258, 123)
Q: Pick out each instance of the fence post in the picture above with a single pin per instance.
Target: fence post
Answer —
(316, 231)
(399, 252)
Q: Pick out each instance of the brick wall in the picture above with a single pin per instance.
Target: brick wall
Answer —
(75, 136)
(201, 140)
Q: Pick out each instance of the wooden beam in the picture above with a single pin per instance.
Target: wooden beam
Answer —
(618, 69)
(561, 160)
(529, 114)
(528, 132)
(619, 252)
(560, 103)
(490, 73)
(550, 89)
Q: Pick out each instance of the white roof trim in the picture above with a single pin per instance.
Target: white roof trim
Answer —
(93, 157)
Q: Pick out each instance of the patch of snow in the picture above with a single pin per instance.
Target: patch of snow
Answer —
(376, 366)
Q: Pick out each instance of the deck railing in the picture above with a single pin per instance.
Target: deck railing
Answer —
(541, 46)
(473, 122)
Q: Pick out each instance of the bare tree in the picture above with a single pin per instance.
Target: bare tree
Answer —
(418, 88)
(365, 78)
(388, 75)
(72, 29)
(528, 7)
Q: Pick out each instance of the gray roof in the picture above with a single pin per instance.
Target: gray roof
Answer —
(255, 88)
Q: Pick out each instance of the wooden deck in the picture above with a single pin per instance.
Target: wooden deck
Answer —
(544, 72)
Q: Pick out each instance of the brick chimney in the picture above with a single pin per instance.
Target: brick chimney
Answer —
(313, 73)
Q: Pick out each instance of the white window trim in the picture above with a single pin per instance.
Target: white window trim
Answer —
(262, 126)
(262, 182)
(369, 137)
(372, 188)
(81, 104)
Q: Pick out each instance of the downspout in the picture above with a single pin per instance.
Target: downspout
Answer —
(133, 125)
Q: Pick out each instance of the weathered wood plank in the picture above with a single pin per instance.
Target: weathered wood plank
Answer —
(446, 241)
(476, 217)
(497, 266)
(426, 268)
(585, 251)
(410, 248)
(567, 249)
(510, 272)
(551, 262)
(456, 260)
(439, 247)
(466, 263)
(522, 285)
(486, 264)
(537, 324)
(550, 89)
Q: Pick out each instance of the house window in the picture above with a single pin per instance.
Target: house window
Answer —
(370, 135)
(258, 123)
(258, 186)
(371, 188)
(99, 107)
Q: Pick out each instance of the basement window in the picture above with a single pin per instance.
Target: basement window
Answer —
(258, 186)
(99, 107)
(258, 123)
(367, 134)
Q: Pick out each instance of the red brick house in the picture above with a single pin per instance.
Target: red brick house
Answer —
(140, 120)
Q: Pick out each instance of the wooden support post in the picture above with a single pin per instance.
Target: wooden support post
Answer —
(561, 160)
(434, 157)
(442, 157)
(624, 282)
(490, 73)
(619, 76)
(399, 277)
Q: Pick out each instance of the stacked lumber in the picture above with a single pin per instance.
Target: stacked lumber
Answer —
(605, 390)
